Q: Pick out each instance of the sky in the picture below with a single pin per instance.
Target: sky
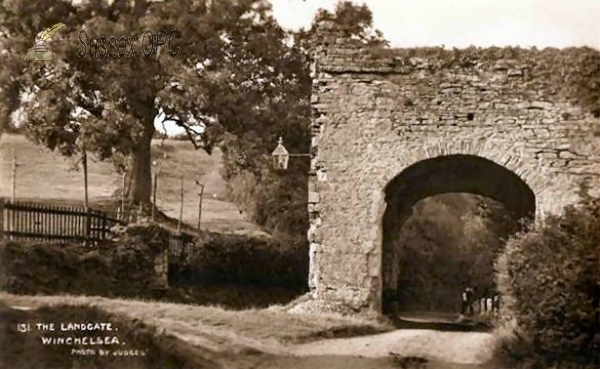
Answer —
(462, 23)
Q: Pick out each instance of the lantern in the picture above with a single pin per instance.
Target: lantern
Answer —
(280, 156)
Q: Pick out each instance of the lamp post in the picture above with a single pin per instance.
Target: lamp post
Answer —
(281, 156)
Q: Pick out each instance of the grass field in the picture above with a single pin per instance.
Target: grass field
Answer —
(48, 176)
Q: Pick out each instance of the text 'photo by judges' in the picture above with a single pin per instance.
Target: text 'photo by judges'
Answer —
(299, 184)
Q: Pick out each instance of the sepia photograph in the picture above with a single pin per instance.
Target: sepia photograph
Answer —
(299, 184)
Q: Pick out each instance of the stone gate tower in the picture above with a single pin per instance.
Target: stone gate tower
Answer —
(390, 128)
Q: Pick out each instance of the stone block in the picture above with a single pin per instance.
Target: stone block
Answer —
(314, 234)
(343, 269)
(355, 298)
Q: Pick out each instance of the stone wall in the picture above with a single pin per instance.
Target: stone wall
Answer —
(374, 115)
(161, 271)
(141, 255)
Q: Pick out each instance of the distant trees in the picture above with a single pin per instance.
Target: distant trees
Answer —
(451, 241)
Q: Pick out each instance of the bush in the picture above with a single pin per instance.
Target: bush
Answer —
(124, 267)
(221, 259)
(548, 278)
(41, 268)
(132, 257)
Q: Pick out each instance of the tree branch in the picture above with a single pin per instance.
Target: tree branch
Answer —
(188, 130)
(90, 107)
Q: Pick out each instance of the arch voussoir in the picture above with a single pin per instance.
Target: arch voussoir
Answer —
(510, 155)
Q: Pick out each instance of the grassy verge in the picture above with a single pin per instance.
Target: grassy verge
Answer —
(266, 330)
(153, 345)
(139, 346)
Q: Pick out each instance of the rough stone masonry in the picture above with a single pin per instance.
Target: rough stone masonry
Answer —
(390, 130)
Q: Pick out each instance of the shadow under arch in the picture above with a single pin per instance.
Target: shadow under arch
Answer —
(436, 176)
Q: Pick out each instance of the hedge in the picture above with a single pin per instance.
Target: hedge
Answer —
(123, 267)
(221, 259)
(549, 280)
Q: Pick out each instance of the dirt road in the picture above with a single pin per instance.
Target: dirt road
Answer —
(451, 347)
(442, 350)
(231, 349)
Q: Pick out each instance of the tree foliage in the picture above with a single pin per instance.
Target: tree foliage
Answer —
(238, 81)
(450, 242)
(233, 72)
(278, 200)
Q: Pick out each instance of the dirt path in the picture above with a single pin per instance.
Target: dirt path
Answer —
(442, 350)
(450, 347)
(393, 350)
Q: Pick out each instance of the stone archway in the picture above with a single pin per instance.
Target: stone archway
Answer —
(439, 175)
(427, 125)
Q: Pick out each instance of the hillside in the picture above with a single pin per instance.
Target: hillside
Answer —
(46, 175)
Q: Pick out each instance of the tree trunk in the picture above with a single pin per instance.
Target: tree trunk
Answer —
(139, 174)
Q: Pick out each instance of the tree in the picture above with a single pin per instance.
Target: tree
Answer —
(230, 58)
(276, 201)
(352, 21)
(237, 81)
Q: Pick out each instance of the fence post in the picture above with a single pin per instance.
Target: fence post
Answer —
(200, 204)
(86, 204)
(140, 211)
(104, 230)
(122, 215)
(180, 207)
(154, 196)
(1, 217)
(14, 177)
(12, 220)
